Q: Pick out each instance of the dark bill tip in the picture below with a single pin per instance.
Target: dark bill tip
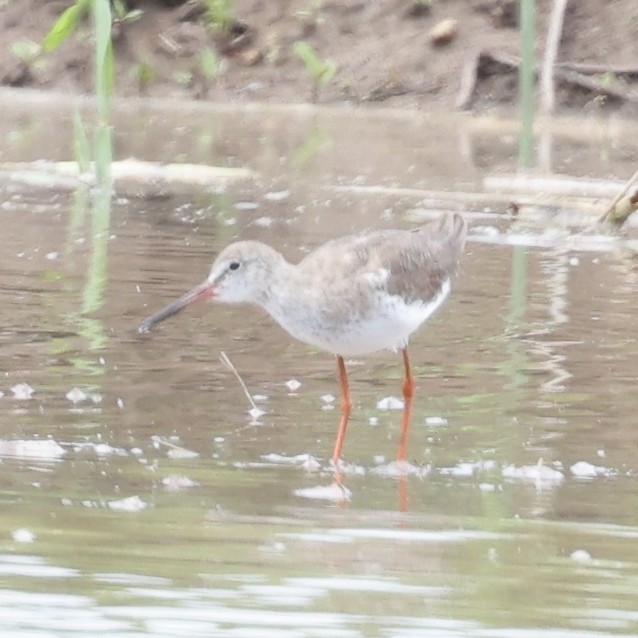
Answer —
(199, 293)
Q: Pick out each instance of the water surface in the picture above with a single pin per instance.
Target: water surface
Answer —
(141, 498)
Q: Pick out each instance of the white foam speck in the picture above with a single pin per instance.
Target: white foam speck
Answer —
(282, 459)
(23, 535)
(397, 469)
(435, 420)
(293, 385)
(130, 504)
(335, 492)
(264, 222)
(390, 403)
(245, 205)
(45, 449)
(255, 413)
(22, 391)
(181, 453)
(541, 475)
(277, 196)
(580, 556)
(175, 483)
(583, 469)
(104, 449)
(76, 395)
(460, 469)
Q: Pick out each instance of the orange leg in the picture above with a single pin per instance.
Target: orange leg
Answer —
(408, 395)
(346, 409)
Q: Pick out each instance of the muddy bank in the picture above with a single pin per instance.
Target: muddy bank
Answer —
(405, 54)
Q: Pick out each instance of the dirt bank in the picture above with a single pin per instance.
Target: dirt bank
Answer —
(384, 52)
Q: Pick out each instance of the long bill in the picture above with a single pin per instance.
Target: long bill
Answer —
(204, 291)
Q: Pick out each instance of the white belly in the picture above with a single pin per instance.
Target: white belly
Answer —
(389, 327)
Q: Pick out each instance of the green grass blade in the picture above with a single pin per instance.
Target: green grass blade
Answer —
(65, 25)
(313, 62)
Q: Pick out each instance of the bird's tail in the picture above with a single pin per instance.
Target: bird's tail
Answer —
(452, 228)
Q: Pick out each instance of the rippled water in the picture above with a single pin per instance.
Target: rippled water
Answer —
(139, 497)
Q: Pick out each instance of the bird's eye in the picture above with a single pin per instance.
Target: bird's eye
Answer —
(234, 265)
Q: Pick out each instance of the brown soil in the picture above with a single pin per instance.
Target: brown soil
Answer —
(383, 51)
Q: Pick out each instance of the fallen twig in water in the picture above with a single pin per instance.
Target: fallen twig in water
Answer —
(131, 171)
(255, 412)
(174, 451)
(557, 185)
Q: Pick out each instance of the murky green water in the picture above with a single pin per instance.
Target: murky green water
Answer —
(140, 498)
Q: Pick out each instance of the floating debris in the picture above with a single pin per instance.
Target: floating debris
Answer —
(175, 483)
(398, 469)
(277, 196)
(255, 413)
(46, 449)
(390, 403)
(132, 171)
(181, 453)
(435, 421)
(129, 504)
(540, 474)
(461, 469)
(293, 385)
(580, 556)
(23, 535)
(22, 391)
(76, 395)
(104, 449)
(583, 469)
(175, 451)
(305, 460)
(311, 464)
(263, 222)
(335, 492)
(349, 469)
(245, 205)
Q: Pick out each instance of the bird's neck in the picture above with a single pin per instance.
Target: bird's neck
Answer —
(282, 290)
